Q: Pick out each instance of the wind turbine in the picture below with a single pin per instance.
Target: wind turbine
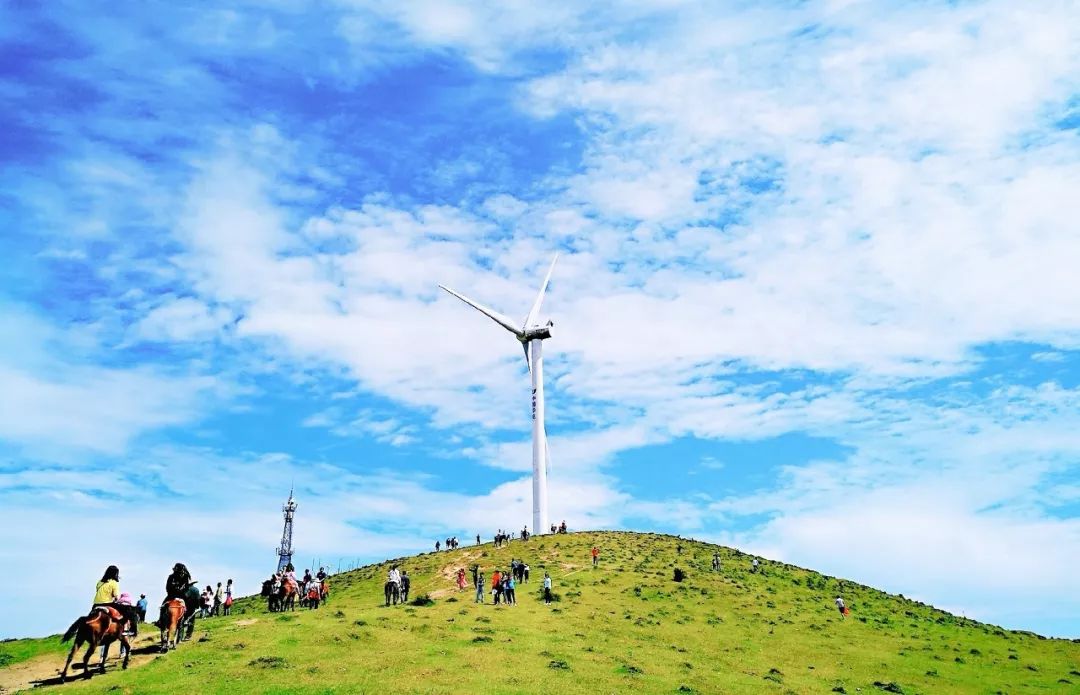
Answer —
(531, 335)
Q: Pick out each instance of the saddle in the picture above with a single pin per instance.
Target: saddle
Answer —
(114, 614)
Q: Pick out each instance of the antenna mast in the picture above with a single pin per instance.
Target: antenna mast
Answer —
(285, 550)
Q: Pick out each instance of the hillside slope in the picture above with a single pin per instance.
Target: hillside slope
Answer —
(625, 626)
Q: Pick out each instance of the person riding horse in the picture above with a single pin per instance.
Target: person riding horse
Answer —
(107, 595)
(392, 588)
(177, 585)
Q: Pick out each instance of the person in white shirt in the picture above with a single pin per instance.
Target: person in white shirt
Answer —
(547, 588)
(394, 576)
(840, 607)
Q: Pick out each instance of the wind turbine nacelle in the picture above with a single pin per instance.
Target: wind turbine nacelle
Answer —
(538, 332)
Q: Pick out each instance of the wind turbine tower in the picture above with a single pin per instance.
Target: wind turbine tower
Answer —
(531, 335)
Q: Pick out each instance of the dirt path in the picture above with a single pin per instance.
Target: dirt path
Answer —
(446, 580)
(45, 669)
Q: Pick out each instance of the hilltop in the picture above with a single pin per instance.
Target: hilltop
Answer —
(626, 626)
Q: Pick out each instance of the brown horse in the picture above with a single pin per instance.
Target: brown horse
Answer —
(101, 628)
(287, 596)
(175, 610)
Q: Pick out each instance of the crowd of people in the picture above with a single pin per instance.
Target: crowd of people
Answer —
(283, 587)
(107, 594)
(504, 582)
(179, 585)
(217, 602)
(451, 544)
(312, 589)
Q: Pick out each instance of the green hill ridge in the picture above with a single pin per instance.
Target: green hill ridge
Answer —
(625, 626)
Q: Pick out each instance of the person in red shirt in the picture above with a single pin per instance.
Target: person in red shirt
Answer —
(595, 555)
(496, 585)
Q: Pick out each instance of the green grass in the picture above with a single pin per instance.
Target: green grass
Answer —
(14, 651)
(624, 627)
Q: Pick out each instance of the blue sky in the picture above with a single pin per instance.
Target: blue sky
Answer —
(817, 296)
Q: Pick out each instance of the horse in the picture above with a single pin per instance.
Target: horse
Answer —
(393, 592)
(175, 610)
(287, 596)
(101, 627)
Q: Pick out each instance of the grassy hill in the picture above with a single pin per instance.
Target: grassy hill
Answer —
(626, 626)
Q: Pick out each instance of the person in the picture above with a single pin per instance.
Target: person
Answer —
(841, 607)
(554, 528)
(480, 587)
(461, 579)
(132, 613)
(478, 539)
(219, 598)
(595, 556)
(547, 589)
(436, 546)
(405, 583)
(511, 585)
(107, 595)
(140, 607)
(228, 598)
(716, 561)
(754, 565)
(321, 574)
(496, 586)
(394, 575)
(208, 601)
(176, 586)
(562, 527)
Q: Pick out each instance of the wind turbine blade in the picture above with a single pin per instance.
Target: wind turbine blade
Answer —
(490, 313)
(528, 359)
(535, 311)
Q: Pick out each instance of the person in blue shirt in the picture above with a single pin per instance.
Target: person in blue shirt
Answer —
(511, 585)
(140, 606)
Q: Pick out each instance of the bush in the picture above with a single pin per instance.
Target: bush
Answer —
(422, 600)
(679, 575)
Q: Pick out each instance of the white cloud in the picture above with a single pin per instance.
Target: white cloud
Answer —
(181, 319)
